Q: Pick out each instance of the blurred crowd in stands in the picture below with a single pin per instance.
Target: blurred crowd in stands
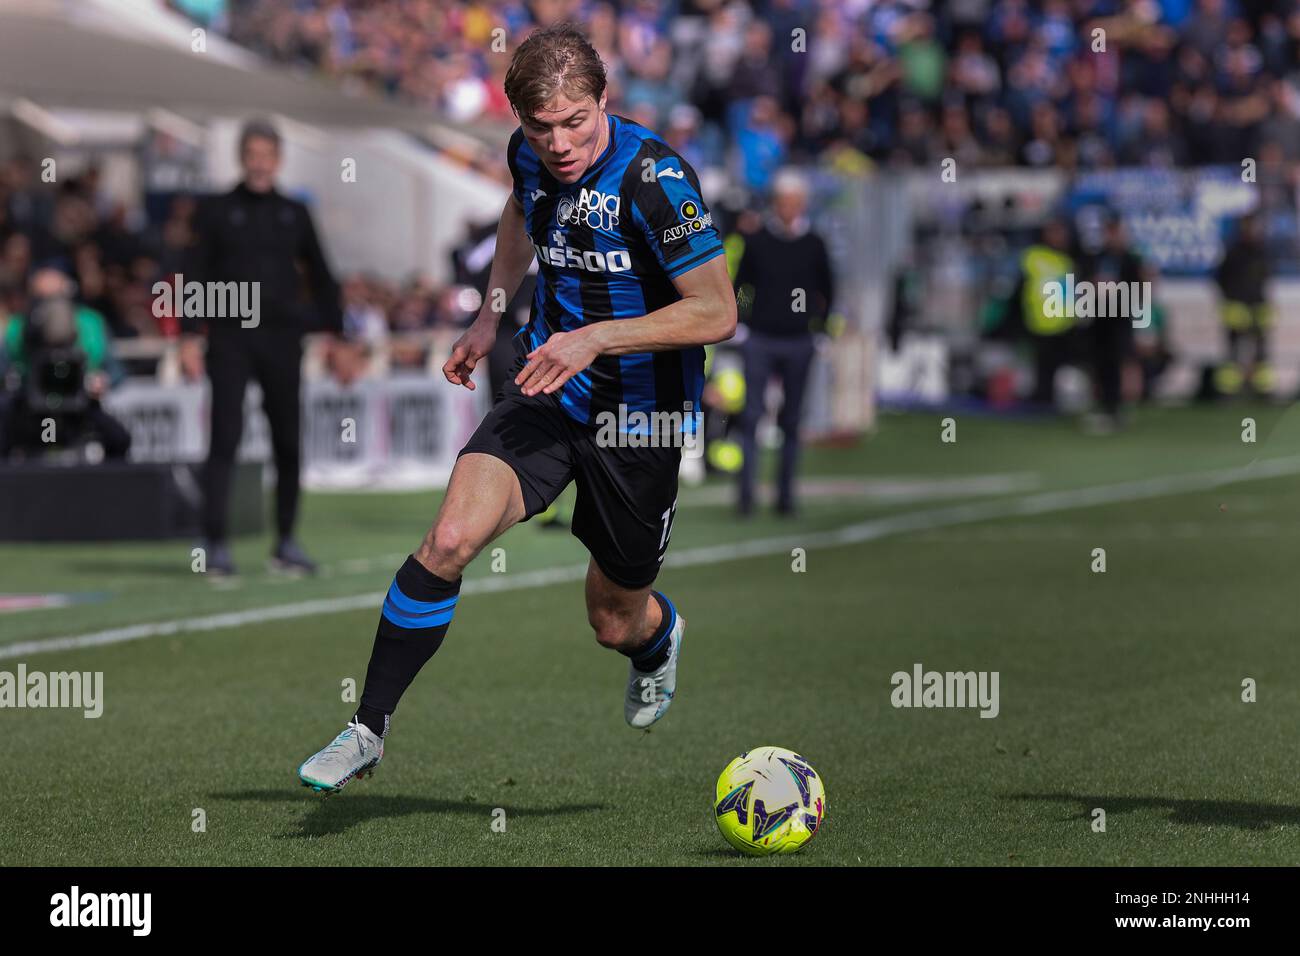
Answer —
(71, 227)
(735, 84)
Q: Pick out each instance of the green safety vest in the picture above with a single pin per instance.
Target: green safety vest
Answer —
(1041, 265)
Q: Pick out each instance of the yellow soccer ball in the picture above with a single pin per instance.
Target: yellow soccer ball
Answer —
(769, 800)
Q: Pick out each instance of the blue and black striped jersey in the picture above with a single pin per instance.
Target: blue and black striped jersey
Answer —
(608, 247)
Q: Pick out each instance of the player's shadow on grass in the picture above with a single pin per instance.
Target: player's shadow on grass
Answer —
(336, 814)
(1232, 813)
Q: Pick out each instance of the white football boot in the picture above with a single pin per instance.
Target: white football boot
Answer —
(650, 693)
(354, 753)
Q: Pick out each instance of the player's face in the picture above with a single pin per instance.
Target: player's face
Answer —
(568, 135)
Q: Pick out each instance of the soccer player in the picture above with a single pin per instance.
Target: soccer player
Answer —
(632, 284)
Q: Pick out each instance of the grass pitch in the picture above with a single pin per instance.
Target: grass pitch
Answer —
(1118, 690)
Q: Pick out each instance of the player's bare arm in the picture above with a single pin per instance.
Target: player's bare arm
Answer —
(514, 253)
(705, 314)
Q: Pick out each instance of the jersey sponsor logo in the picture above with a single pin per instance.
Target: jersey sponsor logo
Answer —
(591, 208)
(692, 222)
(670, 172)
(592, 260)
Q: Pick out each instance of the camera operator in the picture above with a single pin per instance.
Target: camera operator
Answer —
(57, 350)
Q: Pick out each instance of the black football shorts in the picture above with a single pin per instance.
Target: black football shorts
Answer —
(627, 497)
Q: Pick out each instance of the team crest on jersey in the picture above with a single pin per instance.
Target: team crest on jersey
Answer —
(692, 222)
(591, 208)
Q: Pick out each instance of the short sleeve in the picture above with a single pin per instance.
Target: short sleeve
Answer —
(671, 213)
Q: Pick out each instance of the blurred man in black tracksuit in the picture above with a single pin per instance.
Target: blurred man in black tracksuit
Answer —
(1110, 338)
(784, 286)
(253, 234)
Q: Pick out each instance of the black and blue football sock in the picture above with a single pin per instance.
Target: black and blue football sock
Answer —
(651, 655)
(416, 614)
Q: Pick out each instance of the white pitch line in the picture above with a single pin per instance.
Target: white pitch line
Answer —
(871, 530)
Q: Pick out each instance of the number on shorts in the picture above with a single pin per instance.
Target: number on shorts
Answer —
(667, 518)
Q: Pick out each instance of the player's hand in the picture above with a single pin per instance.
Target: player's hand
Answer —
(475, 343)
(555, 361)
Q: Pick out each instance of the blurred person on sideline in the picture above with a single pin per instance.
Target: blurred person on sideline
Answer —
(1110, 338)
(256, 235)
(1245, 311)
(785, 287)
(57, 351)
(1054, 337)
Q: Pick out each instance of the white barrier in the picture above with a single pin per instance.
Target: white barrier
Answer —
(401, 432)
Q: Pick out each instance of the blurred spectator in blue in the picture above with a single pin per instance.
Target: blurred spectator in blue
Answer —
(760, 138)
